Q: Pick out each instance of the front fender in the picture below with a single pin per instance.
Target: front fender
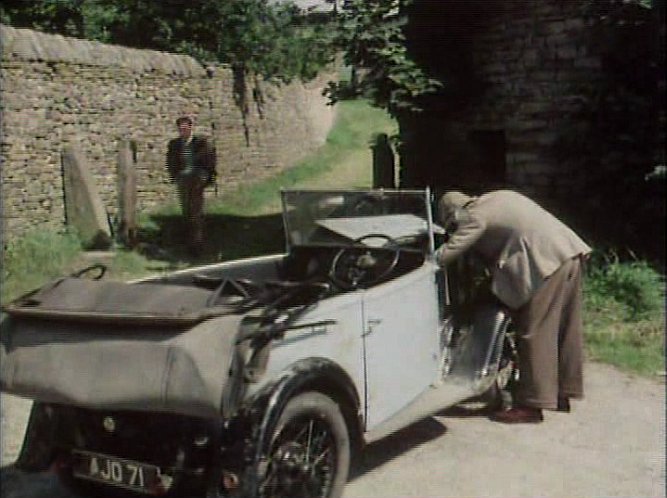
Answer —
(491, 322)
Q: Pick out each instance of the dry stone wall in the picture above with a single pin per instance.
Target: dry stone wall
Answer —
(58, 91)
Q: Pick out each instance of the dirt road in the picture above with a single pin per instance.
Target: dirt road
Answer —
(612, 445)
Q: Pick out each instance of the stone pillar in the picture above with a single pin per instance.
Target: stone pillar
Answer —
(127, 194)
(84, 210)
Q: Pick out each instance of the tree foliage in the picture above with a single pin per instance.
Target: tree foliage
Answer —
(271, 39)
(265, 37)
(55, 16)
(370, 34)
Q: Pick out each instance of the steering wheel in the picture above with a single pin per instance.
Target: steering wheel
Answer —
(361, 266)
(371, 203)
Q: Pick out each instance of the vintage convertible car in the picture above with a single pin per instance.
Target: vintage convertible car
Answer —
(261, 377)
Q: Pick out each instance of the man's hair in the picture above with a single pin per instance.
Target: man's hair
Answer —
(182, 119)
(450, 203)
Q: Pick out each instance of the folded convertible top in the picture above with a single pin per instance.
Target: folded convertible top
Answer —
(111, 345)
(104, 301)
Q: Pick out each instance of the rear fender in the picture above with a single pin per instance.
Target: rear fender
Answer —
(312, 374)
(39, 450)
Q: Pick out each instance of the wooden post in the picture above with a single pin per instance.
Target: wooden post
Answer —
(127, 194)
(383, 163)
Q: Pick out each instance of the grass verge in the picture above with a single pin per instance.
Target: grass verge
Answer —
(39, 257)
(344, 161)
(634, 347)
(624, 318)
(34, 259)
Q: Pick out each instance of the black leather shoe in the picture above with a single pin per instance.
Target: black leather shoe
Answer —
(563, 405)
(519, 415)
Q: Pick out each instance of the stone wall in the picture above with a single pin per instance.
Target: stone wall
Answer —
(528, 71)
(58, 90)
(537, 82)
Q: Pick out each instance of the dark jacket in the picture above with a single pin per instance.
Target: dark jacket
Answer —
(203, 155)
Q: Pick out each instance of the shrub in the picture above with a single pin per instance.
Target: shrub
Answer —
(630, 291)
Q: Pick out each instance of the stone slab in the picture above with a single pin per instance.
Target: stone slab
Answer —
(83, 207)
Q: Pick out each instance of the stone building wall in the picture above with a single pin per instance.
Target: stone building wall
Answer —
(527, 58)
(543, 66)
(530, 72)
(56, 91)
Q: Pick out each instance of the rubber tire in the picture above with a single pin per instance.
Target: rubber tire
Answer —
(312, 401)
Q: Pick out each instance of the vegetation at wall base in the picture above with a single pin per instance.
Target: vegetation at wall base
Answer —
(35, 259)
(635, 347)
(624, 317)
(41, 256)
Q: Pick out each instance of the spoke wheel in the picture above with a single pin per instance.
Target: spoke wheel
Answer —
(309, 455)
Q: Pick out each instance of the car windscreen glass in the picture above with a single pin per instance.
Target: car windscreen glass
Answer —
(339, 217)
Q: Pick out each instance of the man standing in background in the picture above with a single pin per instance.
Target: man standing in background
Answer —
(191, 162)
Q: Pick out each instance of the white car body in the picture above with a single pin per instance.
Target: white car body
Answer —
(356, 316)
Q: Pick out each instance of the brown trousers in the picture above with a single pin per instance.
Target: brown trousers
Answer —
(550, 340)
(191, 198)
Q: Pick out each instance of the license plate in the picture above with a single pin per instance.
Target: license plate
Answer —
(127, 474)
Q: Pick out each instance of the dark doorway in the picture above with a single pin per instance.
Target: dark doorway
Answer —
(489, 148)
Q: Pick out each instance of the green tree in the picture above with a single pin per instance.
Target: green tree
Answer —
(370, 34)
(267, 39)
(51, 16)
(252, 35)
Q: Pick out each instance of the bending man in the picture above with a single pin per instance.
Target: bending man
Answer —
(536, 266)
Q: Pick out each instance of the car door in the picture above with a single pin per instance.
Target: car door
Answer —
(400, 342)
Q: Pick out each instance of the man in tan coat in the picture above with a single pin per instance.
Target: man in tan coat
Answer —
(536, 266)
